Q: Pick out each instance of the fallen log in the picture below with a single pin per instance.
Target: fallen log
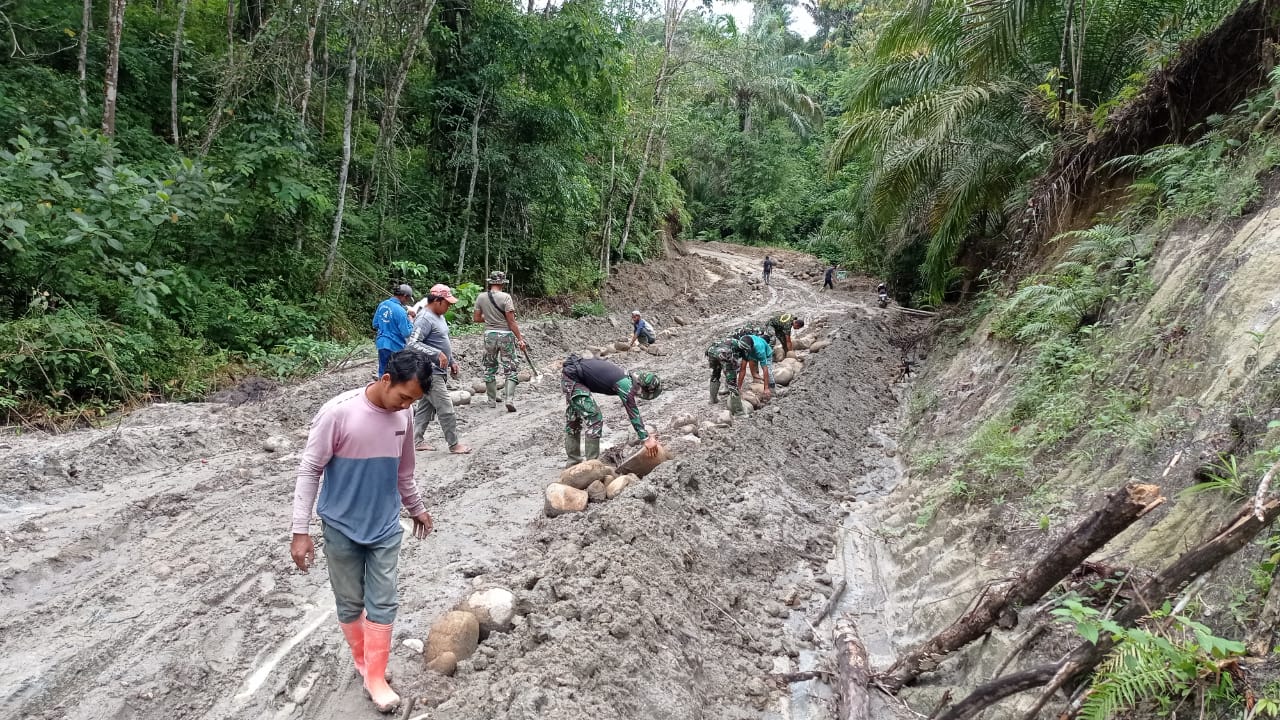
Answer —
(990, 693)
(801, 676)
(852, 672)
(830, 604)
(1121, 509)
(1233, 535)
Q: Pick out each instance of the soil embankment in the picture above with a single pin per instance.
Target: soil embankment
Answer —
(145, 571)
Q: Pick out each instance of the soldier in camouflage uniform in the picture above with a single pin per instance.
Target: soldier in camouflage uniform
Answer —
(723, 359)
(781, 326)
(582, 377)
(497, 311)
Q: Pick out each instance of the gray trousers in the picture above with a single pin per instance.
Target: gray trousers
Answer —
(363, 577)
(436, 404)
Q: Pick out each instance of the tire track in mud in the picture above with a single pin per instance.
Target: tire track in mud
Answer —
(154, 581)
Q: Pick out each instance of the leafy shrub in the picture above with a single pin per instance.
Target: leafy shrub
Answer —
(466, 293)
(63, 359)
(301, 356)
(588, 309)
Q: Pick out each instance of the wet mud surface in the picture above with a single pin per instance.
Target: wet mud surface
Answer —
(144, 568)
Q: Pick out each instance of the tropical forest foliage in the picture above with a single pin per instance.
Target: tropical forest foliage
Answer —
(192, 185)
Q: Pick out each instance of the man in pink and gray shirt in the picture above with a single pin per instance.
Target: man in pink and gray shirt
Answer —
(362, 442)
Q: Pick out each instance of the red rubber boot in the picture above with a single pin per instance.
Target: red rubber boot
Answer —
(377, 650)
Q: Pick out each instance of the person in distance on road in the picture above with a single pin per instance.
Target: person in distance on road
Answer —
(362, 443)
(431, 337)
(391, 321)
(502, 337)
(579, 378)
(768, 268)
(828, 278)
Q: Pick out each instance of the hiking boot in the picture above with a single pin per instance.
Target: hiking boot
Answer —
(715, 391)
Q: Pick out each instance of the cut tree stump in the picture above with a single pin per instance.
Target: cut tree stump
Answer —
(1235, 534)
(1121, 509)
(852, 672)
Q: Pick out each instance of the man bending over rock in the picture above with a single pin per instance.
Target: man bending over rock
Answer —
(755, 350)
(582, 377)
(362, 443)
(782, 325)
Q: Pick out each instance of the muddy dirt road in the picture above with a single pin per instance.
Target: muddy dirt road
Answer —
(144, 568)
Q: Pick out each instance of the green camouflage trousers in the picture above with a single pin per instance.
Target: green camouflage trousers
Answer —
(723, 361)
(582, 410)
(500, 345)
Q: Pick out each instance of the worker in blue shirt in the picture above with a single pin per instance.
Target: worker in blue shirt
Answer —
(391, 322)
(754, 350)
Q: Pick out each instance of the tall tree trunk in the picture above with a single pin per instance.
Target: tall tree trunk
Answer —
(231, 29)
(635, 191)
(352, 57)
(308, 60)
(606, 239)
(86, 24)
(471, 189)
(324, 75)
(173, 77)
(674, 10)
(115, 26)
(386, 129)
(488, 206)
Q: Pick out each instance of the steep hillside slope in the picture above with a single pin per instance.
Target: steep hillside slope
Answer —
(1165, 370)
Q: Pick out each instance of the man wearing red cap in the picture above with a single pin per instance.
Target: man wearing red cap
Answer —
(431, 337)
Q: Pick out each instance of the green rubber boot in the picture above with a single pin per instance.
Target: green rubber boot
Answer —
(715, 391)
(491, 391)
(509, 395)
(735, 404)
(573, 448)
(593, 449)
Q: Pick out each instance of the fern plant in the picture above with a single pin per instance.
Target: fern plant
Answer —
(1158, 666)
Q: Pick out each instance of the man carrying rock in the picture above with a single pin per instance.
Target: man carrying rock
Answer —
(579, 379)
(497, 311)
(391, 321)
(431, 337)
(782, 325)
(723, 360)
(641, 331)
(755, 350)
(362, 443)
